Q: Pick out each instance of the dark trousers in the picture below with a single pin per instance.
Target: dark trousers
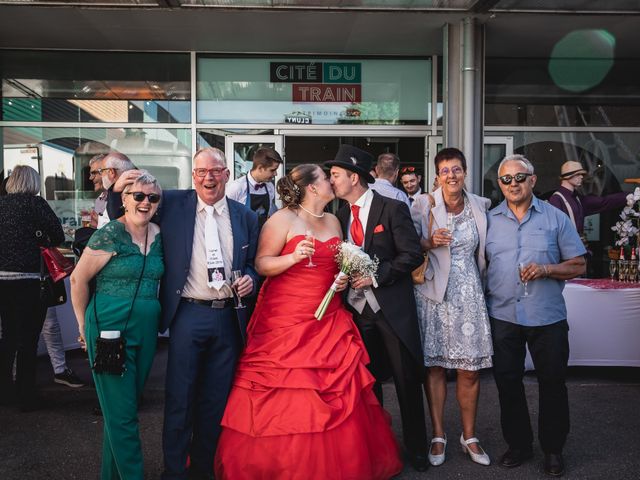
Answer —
(549, 348)
(204, 345)
(22, 316)
(388, 352)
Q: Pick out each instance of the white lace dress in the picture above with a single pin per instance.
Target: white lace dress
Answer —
(456, 333)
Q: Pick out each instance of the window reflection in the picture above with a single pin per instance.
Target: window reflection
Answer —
(95, 87)
(61, 156)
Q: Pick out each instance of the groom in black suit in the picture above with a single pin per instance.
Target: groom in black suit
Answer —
(385, 310)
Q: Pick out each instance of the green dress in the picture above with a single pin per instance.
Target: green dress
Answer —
(115, 290)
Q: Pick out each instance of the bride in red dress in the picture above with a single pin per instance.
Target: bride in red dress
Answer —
(302, 405)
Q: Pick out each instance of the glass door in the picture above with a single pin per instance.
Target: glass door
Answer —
(239, 150)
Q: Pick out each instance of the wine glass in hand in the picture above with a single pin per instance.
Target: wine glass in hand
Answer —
(308, 236)
(521, 267)
(450, 226)
(236, 275)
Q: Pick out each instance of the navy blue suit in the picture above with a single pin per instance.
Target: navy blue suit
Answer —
(204, 342)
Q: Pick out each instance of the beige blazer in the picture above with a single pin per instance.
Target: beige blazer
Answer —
(437, 274)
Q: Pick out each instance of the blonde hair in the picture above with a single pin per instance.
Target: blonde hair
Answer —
(23, 179)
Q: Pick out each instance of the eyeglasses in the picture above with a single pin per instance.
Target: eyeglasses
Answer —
(518, 177)
(443, 172)
(93, 173)
(202, 172)
(140, 196)
(407, 170)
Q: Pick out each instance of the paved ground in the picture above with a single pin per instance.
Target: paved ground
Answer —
(63, 441)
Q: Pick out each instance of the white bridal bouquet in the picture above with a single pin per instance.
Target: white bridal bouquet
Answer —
(351, 260)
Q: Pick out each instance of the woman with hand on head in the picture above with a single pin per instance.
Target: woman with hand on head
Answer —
(125, 256)
(453, 316)
(302, 405)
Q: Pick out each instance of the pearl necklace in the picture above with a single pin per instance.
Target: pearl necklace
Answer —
(311, 213)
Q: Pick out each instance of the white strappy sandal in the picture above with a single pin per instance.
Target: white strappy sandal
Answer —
(481, 458)
(436, 460)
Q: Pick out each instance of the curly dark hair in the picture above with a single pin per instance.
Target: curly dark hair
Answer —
(291, 187)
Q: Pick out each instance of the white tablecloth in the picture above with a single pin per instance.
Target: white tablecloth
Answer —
(604, 326)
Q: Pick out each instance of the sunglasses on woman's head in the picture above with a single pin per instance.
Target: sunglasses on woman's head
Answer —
(518, 177)
(139, 196)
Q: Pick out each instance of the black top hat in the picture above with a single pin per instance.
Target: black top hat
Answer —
(354, 159)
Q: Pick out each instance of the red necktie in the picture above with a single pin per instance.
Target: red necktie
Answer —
(357, 235)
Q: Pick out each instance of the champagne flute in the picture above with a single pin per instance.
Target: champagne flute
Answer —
(450, 226)
(633, 270)
(520, 270)
(613, 266)
(308, 235)
(622, 270)
(235, 276)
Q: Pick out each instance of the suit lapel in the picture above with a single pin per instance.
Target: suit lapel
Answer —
(236, 230)
(190, 205)
(479, 216)
(374, 216)
(440, 210)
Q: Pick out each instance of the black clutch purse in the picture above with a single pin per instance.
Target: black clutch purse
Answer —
(110, 356)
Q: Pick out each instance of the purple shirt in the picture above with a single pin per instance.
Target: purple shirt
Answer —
(585, 205)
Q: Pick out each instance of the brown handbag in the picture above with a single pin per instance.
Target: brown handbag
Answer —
(418, 274)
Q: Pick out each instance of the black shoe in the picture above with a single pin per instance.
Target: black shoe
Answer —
(553, 464)
(419, 462)
(514, 457)
(68, 378)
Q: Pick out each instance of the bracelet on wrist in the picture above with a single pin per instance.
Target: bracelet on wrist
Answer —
(546, 271)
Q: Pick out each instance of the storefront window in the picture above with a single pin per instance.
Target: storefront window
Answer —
(313, 91)
(61, 156)
(47, 86)
(562, 92)
(609, 158)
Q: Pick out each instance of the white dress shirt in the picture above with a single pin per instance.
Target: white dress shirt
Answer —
(359, 298)
(237, 190)
(196, 284)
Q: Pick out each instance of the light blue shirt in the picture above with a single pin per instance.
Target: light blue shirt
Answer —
(545, 236)
(386, 189)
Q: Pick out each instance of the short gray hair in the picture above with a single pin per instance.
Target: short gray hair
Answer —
(517, 158)
(213, 151)
(144, 179)
(23, 179)
(96, 158)
(118, 161)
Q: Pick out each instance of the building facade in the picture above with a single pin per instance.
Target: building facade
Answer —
(157, 80)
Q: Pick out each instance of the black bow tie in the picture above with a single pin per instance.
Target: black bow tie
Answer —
(258, 186)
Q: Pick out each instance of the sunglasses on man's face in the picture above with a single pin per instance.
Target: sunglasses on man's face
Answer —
(518, 177)
(140, 196)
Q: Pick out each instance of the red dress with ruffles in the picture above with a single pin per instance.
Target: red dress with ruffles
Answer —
(302, 405)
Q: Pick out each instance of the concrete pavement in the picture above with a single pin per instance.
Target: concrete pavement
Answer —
(64, 440)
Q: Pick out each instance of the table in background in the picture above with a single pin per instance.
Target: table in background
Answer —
(604, 323)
